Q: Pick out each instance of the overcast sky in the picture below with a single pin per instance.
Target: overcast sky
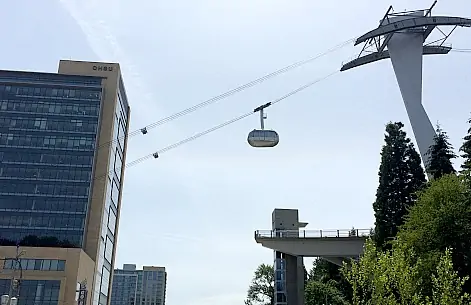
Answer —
(194, 209)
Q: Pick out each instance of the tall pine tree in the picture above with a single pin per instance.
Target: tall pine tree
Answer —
(466, 150)
(400, 177)
(440, 155)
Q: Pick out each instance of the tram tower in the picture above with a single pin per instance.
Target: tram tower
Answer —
(402, 38)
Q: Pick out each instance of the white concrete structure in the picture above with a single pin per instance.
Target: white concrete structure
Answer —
(404, 35)
(290, 243)
(405, 49)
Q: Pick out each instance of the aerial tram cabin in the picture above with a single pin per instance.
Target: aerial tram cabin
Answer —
(263, 137)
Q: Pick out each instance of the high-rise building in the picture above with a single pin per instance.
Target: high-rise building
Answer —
(63, 140)
(139, 287)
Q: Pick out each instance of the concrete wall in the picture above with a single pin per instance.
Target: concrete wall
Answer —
(285, 219)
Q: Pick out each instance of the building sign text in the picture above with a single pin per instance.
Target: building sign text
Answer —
(103, 68)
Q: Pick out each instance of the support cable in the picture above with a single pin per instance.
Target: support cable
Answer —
(145, 129)
(217, 127)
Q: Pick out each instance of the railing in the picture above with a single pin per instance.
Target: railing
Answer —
(361, 233)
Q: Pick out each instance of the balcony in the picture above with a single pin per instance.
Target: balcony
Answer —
(283, 234)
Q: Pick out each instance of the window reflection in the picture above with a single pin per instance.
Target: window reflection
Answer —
(37, 292)
(47, 142)
(24, 123)
(36, 264)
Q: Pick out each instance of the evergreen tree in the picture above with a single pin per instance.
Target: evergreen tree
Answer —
(466, 150)
(326, 272)
(400, 177)
(440, 156)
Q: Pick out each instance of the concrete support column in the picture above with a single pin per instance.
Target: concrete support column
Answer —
(289, 269)
(406, 52)
(294, 280)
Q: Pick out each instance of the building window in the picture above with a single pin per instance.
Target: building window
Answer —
(37, 292)
(48, 140)
(36, 264)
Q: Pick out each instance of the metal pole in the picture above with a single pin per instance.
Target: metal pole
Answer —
(14, 283)
(262, 125)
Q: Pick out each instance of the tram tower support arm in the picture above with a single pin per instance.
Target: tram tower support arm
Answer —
(416, 22)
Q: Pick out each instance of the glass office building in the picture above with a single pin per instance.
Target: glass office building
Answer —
(48, 132)
(62, 149)
(139, 287)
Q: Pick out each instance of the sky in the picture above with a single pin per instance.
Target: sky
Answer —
(195, 209)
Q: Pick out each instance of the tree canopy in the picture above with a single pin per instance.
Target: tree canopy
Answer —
(326, 272)
(441, 219)
(440, 155)
(430, 259)
(261, 290)
(400, 177)
(317, 292)
(466, 150)
(393, 277)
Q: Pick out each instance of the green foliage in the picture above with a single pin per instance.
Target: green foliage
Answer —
(448, 286)
(326, 272)
(39, 241)
(466, 150)
(317, 292)
(420, 268)
(323, 281)
(441, 219)
(384, 277)
(323, 271)
(400, 177)
(261, 290)
(393, 277)
(440, 155)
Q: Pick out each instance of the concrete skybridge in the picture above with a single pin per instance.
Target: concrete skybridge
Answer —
(291, 243)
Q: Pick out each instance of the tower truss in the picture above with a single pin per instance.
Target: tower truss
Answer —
(402, 37)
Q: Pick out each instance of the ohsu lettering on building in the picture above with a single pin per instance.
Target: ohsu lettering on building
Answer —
(103, 68)
(82, 299)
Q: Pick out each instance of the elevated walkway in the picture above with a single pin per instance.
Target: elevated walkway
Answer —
(290, 242)
(333, 245)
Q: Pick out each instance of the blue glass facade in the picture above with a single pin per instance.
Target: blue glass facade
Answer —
(37, 292)
(280, 279)
(48, 134)
(124, 290)
(153, 288)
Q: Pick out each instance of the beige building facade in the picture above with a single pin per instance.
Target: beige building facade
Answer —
(90, 259)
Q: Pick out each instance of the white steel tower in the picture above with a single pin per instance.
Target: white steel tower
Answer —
(401, 37)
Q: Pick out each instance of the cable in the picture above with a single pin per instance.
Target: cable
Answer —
(228, 93)
(198, 135)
